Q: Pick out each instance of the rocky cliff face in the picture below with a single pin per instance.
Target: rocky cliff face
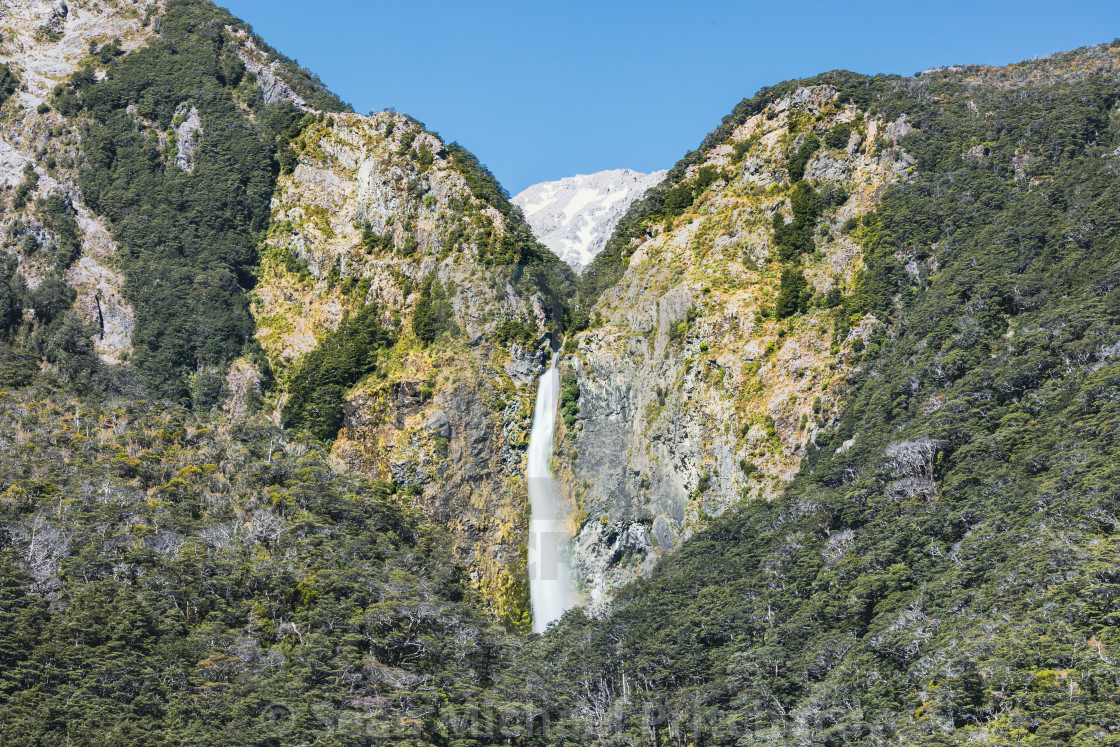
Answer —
(375, 207)
(575, 216)
(43, 43)
(693, 395)
(375, 210)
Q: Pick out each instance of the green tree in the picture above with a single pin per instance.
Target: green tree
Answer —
(799, 160)
(838, 136)
(319, 382)
(433, 314)
(796, 237)
(793, 295)
(9, 82)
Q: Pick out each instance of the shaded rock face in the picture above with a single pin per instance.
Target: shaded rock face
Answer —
(462, 461)
(525, 364)
(100, 301)
(245, 386)
(692, 396)
(438, 424)
(575, 216)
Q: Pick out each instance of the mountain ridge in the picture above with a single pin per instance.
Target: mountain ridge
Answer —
(839, 405)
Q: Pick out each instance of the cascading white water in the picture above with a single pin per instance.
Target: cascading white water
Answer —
(550, 588)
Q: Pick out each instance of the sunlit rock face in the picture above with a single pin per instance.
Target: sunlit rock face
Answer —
(448, 421)
(693, 394)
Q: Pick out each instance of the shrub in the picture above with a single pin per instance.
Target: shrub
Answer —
(70, 348)
(796, 237)
(569, 399)
(433, 314)
(29, 184)
(833, 195)
(375, 242)
(515, 329)
(837, 137)
(799, 160)
(59, 216)
(9, 82)
(51, 299)
(29, 245)
(12, 294)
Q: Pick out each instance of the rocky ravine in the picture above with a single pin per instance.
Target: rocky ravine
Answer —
(690, 398)
(449, 422)
(575, 216)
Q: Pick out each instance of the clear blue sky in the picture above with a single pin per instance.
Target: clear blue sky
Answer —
(542, 90)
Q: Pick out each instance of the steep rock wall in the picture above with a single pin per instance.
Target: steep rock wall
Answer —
(692, 394)
(374, 207)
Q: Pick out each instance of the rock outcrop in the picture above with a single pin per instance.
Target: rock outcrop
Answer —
(268, 72)
(375, 207)
(692, 394)
(187, 128)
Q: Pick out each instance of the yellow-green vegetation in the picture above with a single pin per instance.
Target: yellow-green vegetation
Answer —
(752, 242)
(941, 569)
(386, 227)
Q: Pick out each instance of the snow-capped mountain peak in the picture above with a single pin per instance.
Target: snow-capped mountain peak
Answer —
(575, 216)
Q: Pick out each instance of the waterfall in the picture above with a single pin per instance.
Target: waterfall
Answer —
(550, 588)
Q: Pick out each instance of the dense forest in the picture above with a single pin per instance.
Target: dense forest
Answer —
(945, 568)
(166, 580)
